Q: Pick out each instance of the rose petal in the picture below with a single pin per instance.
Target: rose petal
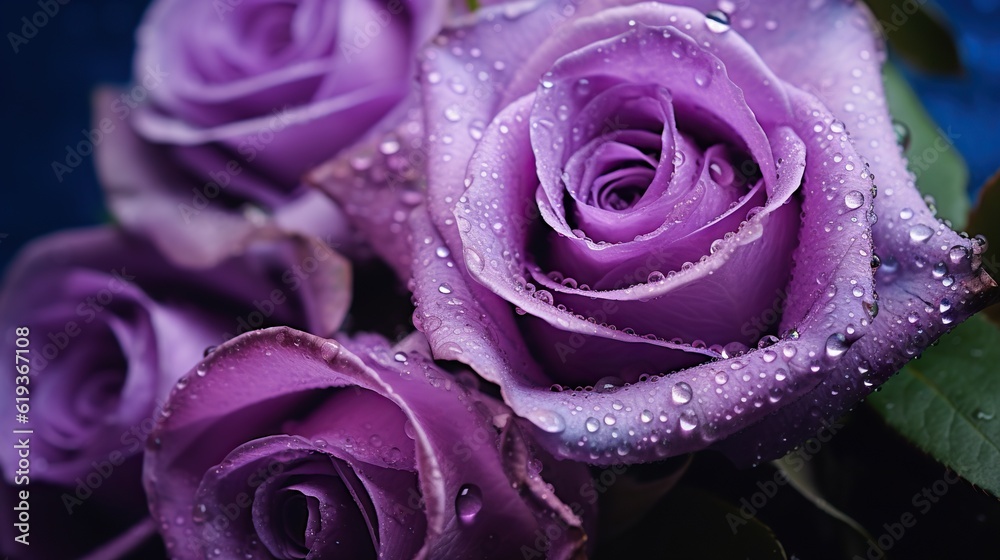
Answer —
(249, 401)
(116, 326)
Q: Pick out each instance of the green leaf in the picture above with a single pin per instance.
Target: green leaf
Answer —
(691, 523)
(941, 172)
(948, 402)
(918, 33)
(473, 5)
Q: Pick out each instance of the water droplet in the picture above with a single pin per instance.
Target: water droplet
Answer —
(913, 317)
(702, 77)
(399, 357)
(920, 233)
(608, 384)
(734, 349)
(550, 421)
(837, 127)
(452, 113)
(392, 455)
(688, 420)
(200, 513)
(442, 252)
(775, 394)
(329, 350)
(721, 378)
(409, 429)
(981, 241)
(767, 340)
(389, 146)
(905, 214)
(646, 416)
(681, 393)
(871, 308)
(468, 502)
(854, 199)
(610, 419)
(592, 424)
(902, 134)
(717, 21)
(836, 345)
(444, 288)
(544, 296)
(957, 254)
(202, 370)
(655, 276)
(208, 350)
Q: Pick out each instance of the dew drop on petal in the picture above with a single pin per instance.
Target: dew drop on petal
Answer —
(717, 21)
(836, 345)
(688, 420)
(608, 384)
(854, 199)
(920, 233)
(550, 421)
(957, 254)
(468, 502)
(902, 134)
(681, 393)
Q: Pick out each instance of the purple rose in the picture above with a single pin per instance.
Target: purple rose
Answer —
(233, 101)
(285, 445)
(110, 326)
(655, 227)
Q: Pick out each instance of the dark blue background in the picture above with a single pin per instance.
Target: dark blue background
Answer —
(46, 105)
(47, 85)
